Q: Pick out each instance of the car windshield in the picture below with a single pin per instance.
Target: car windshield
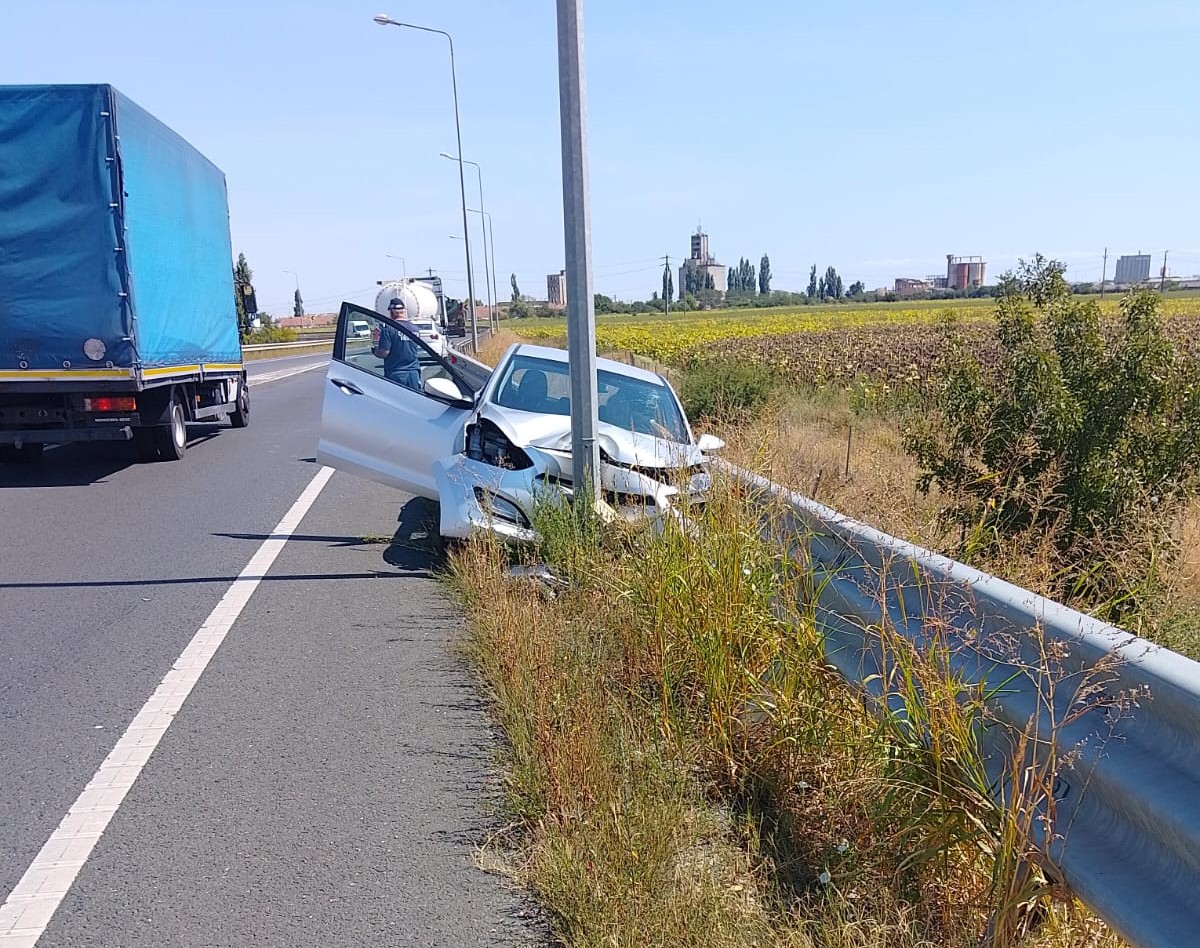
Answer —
(542, 386)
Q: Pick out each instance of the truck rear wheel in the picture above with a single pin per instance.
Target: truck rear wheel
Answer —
(240, 416)
(171, 438)
(25, 454)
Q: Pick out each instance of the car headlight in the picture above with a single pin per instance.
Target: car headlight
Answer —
(499, 507)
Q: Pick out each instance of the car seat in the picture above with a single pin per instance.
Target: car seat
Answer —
(618, 411)
(533, 392)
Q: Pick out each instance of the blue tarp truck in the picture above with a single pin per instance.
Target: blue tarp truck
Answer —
(117, 313)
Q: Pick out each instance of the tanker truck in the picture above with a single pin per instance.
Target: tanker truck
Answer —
(423, 305)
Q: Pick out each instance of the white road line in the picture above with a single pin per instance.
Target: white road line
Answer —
(28, 909)
(284, 373)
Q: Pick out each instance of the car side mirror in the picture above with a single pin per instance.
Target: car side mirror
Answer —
(710, 443)
(443, 388)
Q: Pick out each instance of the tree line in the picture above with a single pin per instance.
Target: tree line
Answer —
(742, 280)
(830, 286)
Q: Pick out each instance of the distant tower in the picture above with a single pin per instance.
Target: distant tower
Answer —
(702, 263)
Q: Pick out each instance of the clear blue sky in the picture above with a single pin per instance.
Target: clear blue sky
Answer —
(874, 136)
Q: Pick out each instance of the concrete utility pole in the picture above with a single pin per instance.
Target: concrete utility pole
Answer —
(577, 228)
(666, 296)
(484, 224)
(1103, 273)
(1162, 277)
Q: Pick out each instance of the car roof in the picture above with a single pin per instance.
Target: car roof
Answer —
(609, 365)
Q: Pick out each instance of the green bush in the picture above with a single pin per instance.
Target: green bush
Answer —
(268, 335)
(721, 389)
(1086, 432)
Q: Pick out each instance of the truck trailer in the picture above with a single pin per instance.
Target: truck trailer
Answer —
(117, 313)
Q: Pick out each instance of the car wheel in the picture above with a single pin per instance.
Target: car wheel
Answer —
(171, 438)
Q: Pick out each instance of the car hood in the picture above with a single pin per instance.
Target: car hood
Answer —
(620, 446)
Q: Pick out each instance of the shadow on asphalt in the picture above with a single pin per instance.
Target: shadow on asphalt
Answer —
(83, 463)
(415, 548)
(416, 545)
(303, 538)
(200, 580)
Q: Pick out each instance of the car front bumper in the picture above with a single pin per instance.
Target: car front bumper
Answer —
(478, 497)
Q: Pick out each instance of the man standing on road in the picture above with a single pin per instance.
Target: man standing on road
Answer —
(398, 350)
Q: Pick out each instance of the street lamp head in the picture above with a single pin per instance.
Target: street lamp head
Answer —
(446, 154)
(383, 19)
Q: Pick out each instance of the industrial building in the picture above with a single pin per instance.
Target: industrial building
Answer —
(1133, 268)
(701, 259)
(908, 287)
(965, 273)
(556, 290)
(962, 273)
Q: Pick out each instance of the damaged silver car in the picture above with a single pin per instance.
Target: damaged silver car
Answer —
(488, 444)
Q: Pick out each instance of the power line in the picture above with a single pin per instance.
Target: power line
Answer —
(627, 272)
(631, 263)
(345, 294)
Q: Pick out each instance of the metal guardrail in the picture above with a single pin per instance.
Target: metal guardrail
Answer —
(267, 346)
(1123, 829)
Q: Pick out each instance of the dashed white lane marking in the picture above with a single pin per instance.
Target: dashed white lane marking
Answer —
(28, 909)
(284, 373)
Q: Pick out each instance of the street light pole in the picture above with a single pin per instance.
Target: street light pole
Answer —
(493, 292)
(581, 305)
(384, 20)
(488, 274)
(403, 265)
(483, 210)
(491, 236)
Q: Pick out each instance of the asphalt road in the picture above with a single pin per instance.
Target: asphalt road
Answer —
(329, 775)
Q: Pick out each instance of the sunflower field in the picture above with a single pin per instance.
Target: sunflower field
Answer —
(895, 345)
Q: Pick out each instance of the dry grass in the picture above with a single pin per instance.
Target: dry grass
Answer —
(686, 770)
(619, 845)
(495, 345)
(802, 443)
(1189, 559)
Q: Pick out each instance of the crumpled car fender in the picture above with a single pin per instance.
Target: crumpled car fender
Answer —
(477, 496)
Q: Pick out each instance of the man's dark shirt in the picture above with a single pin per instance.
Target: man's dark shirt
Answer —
(401, 363)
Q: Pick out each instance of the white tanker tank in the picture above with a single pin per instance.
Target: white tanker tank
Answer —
(419, 299)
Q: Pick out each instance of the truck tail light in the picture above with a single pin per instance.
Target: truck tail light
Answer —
(110, 403)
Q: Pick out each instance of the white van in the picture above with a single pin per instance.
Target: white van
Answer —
(359, 329)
